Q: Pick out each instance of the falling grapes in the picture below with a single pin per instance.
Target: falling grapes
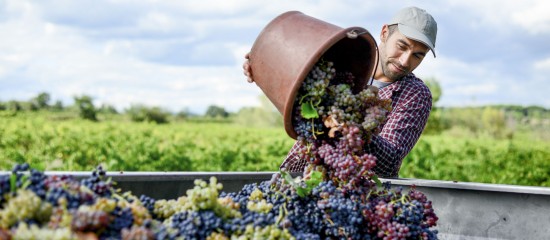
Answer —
(336, 197)
(333, 123)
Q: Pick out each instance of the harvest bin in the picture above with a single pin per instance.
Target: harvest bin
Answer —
(465, 210)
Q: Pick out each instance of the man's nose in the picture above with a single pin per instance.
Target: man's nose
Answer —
(405, 59)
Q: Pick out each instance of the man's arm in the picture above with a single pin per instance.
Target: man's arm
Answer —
(401, 131)
(398, 136)
(292, 162)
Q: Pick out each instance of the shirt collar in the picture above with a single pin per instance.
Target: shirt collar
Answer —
(397, 85)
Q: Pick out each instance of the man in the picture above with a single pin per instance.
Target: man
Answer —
(404, 43)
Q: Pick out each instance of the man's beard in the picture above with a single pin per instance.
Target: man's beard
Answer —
(393, 75)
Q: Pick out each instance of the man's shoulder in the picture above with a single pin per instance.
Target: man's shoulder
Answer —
(413, 84)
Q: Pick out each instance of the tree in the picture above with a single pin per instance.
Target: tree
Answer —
(156, 114)
(14, 106)
(57, 106)
(494, 122)
(184, 113)
(107, 108)
(136, 112)
(266, 115)
(216, 111)
(140, 113)
(86, 107)
(41, 101)
(435, 122)
(435, 88)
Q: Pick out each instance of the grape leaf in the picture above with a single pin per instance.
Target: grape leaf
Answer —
(288, 178)
(302, 192)
(309, 111)
(377, 181)
(314, 180)
(310, 183)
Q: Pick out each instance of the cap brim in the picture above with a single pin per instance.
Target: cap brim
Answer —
(412, 33)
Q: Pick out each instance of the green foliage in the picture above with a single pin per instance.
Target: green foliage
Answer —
(57, 106)
(185, 113)
(435, 88)
(86, 107)
(214, 111)
(435, 123)
(494, 122)
(470, 159)
(41, 101)
(308, 185)
(28, 106)
(63, 141)
(141, 113)
(266, 115)
(308, 111)
(157, 115)
(78, 145)
(13, 106)
(107, 108)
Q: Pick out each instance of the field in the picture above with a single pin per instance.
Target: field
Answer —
(54, 142)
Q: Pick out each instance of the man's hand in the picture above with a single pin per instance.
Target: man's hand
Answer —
(246, 68)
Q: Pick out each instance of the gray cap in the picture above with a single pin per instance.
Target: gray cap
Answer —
(416, 24)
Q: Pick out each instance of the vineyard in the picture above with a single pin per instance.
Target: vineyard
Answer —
(50, 142)
(80, 145)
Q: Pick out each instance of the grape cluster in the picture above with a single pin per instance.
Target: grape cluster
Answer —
(337, 123)
(36, 206)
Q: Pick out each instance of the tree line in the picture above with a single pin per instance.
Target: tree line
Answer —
(88, 110)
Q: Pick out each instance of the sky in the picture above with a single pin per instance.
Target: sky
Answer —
(188, 55)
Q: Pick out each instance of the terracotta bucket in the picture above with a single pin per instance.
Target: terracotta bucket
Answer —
(289, 46)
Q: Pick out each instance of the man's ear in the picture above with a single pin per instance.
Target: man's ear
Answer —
(384, 33)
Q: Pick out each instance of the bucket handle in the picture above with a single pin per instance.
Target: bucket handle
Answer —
(353, 34)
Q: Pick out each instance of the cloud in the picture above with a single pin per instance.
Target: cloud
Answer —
(542, 65)
(464, 83)
(506, 15)
(178, 54)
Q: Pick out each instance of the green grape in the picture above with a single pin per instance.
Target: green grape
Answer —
(270, 232)
(166, 208)
(24, 205)
(33, 232)
(259, 206)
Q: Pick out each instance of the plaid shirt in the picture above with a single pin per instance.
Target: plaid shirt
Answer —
(411, 106)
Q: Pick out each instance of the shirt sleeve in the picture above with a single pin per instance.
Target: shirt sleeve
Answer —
(400, 133)
(398, 136)
(292, 162)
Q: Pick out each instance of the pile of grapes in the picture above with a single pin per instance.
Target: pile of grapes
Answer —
(338, 197)
(39, 206)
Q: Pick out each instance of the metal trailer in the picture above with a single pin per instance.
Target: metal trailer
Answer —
(465, 210)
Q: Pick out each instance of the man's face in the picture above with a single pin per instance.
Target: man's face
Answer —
(399, 55)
